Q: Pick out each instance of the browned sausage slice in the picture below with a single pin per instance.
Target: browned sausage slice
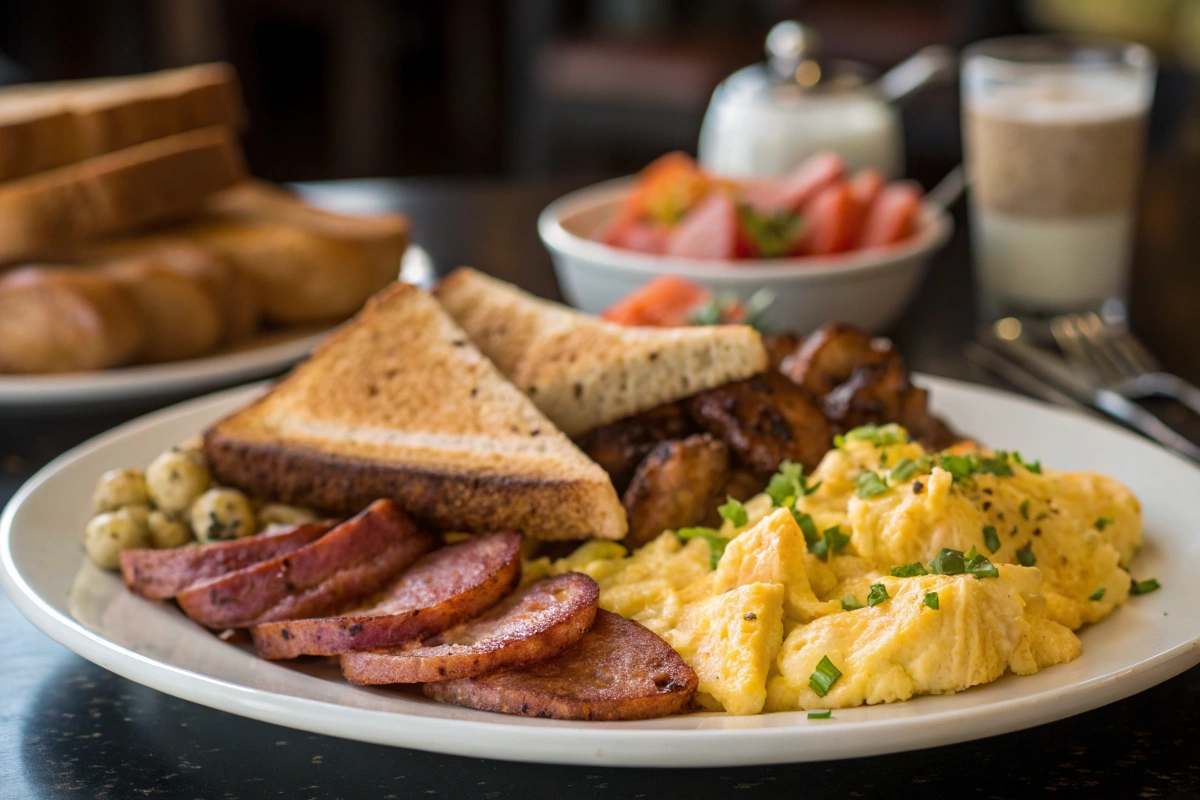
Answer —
(336, 572)
(533, 624)
(446, 587)
(159, 574)
(618, 671)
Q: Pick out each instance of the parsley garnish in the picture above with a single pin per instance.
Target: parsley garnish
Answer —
(1033, 466)
(1103, 523)
(850, 603)
(909, 570)
(878, 594)
(959, 467)
(773, 234)
(820, 714)
(733, 512)
(996, 465)
(948, 562)
(716, 542)
(831, 541)
(825, 676)
(904, 470)
(1098, 594)
(1025, 555)
(979, 566)
(868, 484)
(1024, 510)
(991, 538)
(931, 600)
(789, 482)
(1143, 587)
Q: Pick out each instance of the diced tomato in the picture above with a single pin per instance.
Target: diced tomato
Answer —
(667, 189)
(764, 197)
(829, 221)
(644, 237)
(893, 216)
(708, 231)
(808, 179)
(666, 301)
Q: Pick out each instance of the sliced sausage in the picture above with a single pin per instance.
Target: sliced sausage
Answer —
(159, 574)
(618, 671)
(446, 587)
(533, 624)
(334, 573)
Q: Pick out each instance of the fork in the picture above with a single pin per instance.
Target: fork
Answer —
(1110, 356)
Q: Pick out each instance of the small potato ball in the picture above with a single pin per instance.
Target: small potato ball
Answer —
(118, 488)
(109, 533)
(284, 515)
(193, 445)
(221, 514)
(175, 480)
(167, 532)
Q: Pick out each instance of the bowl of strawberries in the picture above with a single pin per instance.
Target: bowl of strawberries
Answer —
(820, 243)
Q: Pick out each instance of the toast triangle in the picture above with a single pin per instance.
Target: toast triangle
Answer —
(398, 404)
(583, 372)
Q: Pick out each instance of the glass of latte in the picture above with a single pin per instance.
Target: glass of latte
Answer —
(1054, 132)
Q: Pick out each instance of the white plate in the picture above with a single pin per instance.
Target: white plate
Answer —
(1149, 640)
(264, 355)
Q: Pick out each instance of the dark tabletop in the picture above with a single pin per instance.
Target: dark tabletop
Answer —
(71, 729)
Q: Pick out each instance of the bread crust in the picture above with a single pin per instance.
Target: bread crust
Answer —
(336, 484)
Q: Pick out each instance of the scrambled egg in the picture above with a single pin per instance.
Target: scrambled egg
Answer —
(843, 578)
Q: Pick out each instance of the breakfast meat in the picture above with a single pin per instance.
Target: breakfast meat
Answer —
(336, 572)
(881, 393)
(831, 354)
(621, 446)
(530, 625)
(780, 345)
(444, 588)
(159, 574)
(764, 421)
(617, 671)
(674, 486)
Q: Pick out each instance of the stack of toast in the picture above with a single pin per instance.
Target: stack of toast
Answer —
(130, 232)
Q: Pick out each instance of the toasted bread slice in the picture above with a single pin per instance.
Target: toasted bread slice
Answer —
(399, 404)
(583, 372)
(148, 183)
(49, 125)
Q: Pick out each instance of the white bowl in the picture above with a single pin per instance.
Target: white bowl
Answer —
(868, 288)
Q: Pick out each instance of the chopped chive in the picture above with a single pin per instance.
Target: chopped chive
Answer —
(931, 600)
(1024, 510)
(959, 467)
(820, 714)
(996, 465)
(807, 527)
(824, 677)
(1033, 466)
(850, 603)
(733, 512)
(991, 538)
(904, 469)
(981, 567)
(831, 541)
(789, 482)
(948, 562)
(868, 484)
(967, 556)
(1143, 587)
(1025, 555)
(909, 570)
(716, 542)
(878, 594)
(1098, 594)
(1103, 523)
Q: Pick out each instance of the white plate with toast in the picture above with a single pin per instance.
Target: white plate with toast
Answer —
(1151, 639)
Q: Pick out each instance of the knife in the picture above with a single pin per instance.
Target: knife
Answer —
(1057, 373)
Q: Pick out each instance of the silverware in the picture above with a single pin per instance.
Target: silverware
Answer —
(1005, 337)
(1021, 378)
(1112, 357)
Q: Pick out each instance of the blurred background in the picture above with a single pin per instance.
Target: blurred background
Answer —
(542, 88)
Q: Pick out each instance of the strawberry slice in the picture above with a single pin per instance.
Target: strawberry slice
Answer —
(666, 301)
(865, 187)
(829, 221)
(808, 179)
(709, 231)
(893, 216)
